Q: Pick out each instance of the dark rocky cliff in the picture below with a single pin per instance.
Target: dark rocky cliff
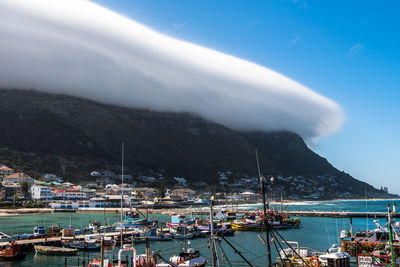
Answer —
(70, 136)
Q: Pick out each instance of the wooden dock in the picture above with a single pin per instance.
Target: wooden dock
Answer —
(27, 244)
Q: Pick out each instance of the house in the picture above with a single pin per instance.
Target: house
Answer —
(41, 193)
(67, 184)
(248, 196)
(146, 192)
(104, 176)
(180, 180)
(50, 177)
(114, 201)
(183, 193)
(4, 171)
(9, 190)
(68, 194)
(18, 177)
(119, 189)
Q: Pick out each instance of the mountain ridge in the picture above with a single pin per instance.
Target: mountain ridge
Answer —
(71, 136)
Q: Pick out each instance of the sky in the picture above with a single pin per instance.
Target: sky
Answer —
(347, 51)
(328, 70)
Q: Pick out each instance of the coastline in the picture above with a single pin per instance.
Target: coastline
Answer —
(26, 211)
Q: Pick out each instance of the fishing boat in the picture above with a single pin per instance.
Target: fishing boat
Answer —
(151, 235)
(255, 222)
(12, 251)
(191, 258)
(228, 215)
(180, 220)
(54, 230)
(55, 251)
(108, 263)
(224, 229)
(130, 223)
(38, 232)
(5, 238)
(378, 258)
(302, 256)
(373, 240)
(182, 232)
(87, 244)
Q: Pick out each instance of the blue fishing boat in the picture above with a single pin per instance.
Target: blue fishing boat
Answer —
(180, 220)
(38, 231)
(133, 221)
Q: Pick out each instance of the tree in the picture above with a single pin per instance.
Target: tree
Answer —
(24, 186)
(161, 191)
(15, 197)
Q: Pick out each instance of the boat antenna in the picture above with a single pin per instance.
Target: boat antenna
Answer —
(263, 182)
(122, 186)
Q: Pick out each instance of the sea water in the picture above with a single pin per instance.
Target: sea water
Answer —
(316, 232)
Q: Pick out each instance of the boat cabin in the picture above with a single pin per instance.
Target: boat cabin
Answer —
(39, 231)
(335, 258)
(377, 235)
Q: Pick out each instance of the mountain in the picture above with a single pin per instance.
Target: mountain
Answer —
(70, 136)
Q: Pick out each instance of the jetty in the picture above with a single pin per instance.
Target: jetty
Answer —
(341, 214)
(28, 244)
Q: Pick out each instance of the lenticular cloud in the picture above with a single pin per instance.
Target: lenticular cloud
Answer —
(82, 49)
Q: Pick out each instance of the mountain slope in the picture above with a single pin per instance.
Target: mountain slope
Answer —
(72, 136)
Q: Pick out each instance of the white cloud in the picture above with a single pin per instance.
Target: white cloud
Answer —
(355, 50)
(179, 25)
(294, 41)
(301, 4)
(82, 49)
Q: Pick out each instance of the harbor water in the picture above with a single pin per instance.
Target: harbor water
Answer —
(316, 232)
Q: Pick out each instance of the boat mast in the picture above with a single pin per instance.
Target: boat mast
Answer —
(122, 187)
(366, 206)
(213, 253)
(263, 181)
(390, 235)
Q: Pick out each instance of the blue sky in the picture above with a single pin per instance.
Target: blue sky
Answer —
(345, 50)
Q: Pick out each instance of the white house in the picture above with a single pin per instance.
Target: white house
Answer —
(41, 193)
(69, 194)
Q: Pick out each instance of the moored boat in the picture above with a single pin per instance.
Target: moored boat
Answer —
(38, 232)
(55, 251)
(306, 257)
(90, 243)
(255, 222)
(180, 220)
(5, 238)
(191, 258)
(12, 251)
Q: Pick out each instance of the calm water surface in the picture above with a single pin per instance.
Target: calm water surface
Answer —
(318, 233)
